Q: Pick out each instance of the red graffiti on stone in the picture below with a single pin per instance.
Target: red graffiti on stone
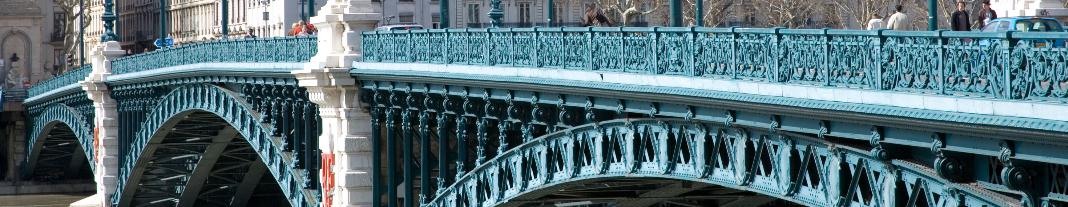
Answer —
(327, 173)
(96, 144)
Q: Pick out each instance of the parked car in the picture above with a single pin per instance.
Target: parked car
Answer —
(1028, 24)
(399, 27)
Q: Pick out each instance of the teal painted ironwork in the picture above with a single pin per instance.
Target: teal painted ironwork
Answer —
(44, 120)
(994, 65)
(56, 124)
(109, 18)
(964, 167)
(244, 110)
(793, 167)
(250, 50)
(66, 79)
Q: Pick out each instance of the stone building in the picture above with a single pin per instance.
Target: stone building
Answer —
(1050, 8)
(30, 51)
(193, 20)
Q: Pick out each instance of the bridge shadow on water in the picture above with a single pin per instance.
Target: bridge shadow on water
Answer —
(644, 192)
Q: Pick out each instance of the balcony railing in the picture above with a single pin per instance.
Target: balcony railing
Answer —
(1003, 65)
(242, 50)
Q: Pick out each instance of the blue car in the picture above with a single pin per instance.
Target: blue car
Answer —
(1027, 24)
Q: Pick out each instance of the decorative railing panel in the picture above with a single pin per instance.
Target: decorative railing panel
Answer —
(60, 81)
(1004, 65)
(277, 49)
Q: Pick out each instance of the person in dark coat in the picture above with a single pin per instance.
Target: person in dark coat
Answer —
(985, 15)
(595, 17)
(959, 21)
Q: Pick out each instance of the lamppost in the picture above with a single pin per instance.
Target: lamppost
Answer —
(932, 15)
(311, 10)
(676, 13)
(109, 21)
(551, 12)
(495, 13)
(699, 13)
(163, 41)
(443, 13)
(225, 19)
(81, 33)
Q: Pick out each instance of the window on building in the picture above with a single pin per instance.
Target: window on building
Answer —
(641, 18)
(473, 14)
(406, 17)
(524, 13)
(435, 21)
(559, 13)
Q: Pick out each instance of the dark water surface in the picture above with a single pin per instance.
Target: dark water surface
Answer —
(41, 200)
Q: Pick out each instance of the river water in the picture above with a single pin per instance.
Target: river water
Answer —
(41, 200)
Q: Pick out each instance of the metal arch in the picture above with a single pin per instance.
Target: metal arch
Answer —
(788, 166)
(236, 112)
(45, 122)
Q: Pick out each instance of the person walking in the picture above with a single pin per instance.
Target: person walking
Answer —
(959, 20)
(310, 29)
(899, 20)
(296, 30)
(985, 15)
(876, 22)
(595, 17)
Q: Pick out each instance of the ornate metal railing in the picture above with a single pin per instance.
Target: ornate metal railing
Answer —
(1002, 65)
(66, 79)
(275, 49)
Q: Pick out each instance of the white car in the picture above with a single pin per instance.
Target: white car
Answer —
(399, 27)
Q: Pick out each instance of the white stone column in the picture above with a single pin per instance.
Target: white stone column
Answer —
(345, 138)
(106, 134)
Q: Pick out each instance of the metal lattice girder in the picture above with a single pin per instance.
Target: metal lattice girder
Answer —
(680, 150)
(58, 155)
(211, 108)
(72, 138)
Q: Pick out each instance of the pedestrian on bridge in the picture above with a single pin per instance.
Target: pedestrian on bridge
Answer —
(899, 20)
(595, 17)
(959, 20)
(876, 22)
(985, 15)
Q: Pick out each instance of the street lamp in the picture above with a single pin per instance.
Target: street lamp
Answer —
(164, 41)
(495, 13)
(109, 22)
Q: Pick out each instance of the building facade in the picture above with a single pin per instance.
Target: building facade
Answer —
(30, 51)
(194, 20)
(1050, 8)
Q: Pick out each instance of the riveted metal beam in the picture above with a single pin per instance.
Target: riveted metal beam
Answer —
(248, 185)
(76, 162)
(204, 166)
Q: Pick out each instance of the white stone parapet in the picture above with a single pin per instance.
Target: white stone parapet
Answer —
(105, 135)
(345, 138)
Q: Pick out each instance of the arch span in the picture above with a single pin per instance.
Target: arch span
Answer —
(231, 110)
(53, 116)
(788, 166)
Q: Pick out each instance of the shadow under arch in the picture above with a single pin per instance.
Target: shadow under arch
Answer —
(57, 130)
(203, 102)
(793, 167)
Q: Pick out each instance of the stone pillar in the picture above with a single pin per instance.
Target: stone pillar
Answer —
(345, 138)
(106, 133)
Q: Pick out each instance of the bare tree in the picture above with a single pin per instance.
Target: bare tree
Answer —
(623, 11)
(786, 13)
(70, 32)
(917, 10)
(715, 12)
(857, 12)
